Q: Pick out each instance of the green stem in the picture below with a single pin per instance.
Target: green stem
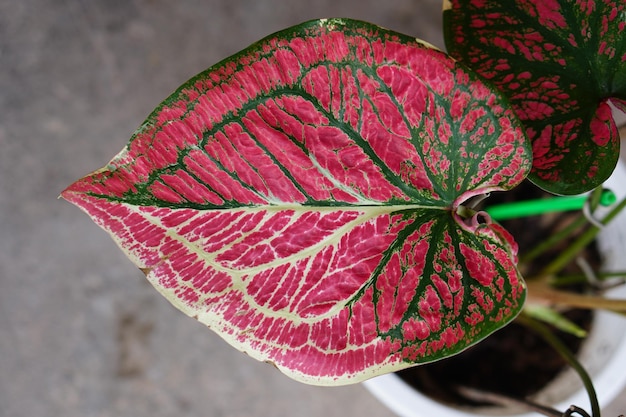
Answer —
(540, 292)
(554, 341)
(598, 196)
(554, 239)
(583, 240)
(581, 278)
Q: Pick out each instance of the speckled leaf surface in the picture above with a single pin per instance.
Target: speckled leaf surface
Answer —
(559, 63)
(300, 198)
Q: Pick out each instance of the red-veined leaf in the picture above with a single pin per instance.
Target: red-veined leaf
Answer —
(559, 62)
(301, 198)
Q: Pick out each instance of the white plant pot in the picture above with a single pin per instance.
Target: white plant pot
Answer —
(603, 353)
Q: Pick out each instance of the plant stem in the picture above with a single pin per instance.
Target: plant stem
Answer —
(583, 240)
(540, 292)
(554, 239)
(598, 196)
(554, 341)
(580, 278)
(554, 318)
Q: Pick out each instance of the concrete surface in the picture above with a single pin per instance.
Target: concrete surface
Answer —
(81, 331)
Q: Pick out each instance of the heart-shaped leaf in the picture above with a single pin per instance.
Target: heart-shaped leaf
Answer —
(558, 62)
(303, 199)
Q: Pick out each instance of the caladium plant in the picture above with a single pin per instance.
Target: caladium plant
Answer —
(559, 62)
(307, 199)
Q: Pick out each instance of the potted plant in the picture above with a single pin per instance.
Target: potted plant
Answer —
(312, 199)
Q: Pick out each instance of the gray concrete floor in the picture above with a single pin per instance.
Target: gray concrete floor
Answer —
(81, 331)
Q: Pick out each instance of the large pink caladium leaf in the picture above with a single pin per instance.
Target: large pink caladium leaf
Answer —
(303, 199)
(559, 62)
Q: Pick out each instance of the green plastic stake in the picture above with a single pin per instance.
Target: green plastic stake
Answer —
(545, 205)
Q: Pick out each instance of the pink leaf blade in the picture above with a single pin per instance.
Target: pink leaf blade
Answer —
(293, 198)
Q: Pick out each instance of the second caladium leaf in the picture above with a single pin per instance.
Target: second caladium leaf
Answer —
(559, 62)
(303, 199)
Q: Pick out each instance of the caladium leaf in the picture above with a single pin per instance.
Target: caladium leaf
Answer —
(559, 62)
(303, 199)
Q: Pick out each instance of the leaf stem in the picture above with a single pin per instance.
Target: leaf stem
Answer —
(593, 200)
(554, 239)
(556, 343)
(583, 240)
(581, 278)
(540, 292)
